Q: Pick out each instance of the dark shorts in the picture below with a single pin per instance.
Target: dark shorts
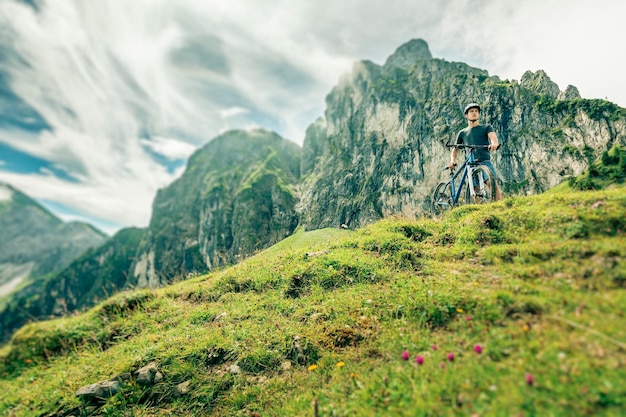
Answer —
(489, 165)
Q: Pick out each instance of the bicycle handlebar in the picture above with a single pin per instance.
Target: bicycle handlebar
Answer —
(463, 146)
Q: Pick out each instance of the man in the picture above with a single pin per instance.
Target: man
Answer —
(477, 134)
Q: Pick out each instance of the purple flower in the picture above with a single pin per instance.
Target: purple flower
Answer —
(450, 357)
(442, 365)
(435, 347)
(478, 348)
(405, 355)
(419, 359)
(530, 379)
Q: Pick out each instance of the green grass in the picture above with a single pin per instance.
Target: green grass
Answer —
(324, 316)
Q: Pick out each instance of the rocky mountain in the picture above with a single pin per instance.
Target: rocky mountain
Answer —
(236, 197)
(379, 150)
(34, 243)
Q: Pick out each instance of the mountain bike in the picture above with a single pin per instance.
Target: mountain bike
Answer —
(472, 183)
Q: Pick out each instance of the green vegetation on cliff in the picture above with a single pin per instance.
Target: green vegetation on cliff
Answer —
(511, 308)
(235, 197)
(609, 169)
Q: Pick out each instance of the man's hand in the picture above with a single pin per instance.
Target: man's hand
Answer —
(493, 141)
(451, 165)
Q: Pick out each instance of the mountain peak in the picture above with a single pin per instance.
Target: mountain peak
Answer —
(540, 83)
(406, 55)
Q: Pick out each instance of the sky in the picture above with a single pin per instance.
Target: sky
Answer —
(101, 103)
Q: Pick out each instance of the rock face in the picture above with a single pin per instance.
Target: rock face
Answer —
(236, 197)
(380, 151)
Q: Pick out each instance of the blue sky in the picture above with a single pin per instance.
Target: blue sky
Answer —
(101, 103)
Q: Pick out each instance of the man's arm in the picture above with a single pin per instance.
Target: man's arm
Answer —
(452, 158)
(454, 151)
(493, 141)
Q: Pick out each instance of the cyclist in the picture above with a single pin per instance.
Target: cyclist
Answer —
(477, 134)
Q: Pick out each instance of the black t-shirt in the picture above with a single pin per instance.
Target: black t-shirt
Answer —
(476, 135)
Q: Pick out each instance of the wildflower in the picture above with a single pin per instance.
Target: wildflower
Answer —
(450, 357)
(340, 364)
(478, 348)
(312, 367)
(405, 355)
(28, 361)
(442, 365)
(467, 318)
(530, 379)
(459, 310)
(419, 359)
(435, 347)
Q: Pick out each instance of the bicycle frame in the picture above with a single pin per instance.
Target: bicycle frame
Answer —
(447, 194)
(466, 170)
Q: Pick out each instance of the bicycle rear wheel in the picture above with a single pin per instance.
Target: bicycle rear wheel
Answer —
(483, 182)
(442, 198)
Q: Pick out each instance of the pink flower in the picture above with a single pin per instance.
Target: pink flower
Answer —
(478, 348)
(442, 365)
(405, 355)
(435, 347)
(419, 359)
(450, 357)
(467, 318)
(530, 379)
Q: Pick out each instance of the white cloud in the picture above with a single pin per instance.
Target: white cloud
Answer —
(171, 148)
(121, 202)
(103, 74)
(233, 111)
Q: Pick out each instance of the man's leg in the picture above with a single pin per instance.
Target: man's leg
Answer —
(489, 165)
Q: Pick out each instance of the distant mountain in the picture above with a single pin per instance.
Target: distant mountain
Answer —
(237, 196)
(94, 276)
(34, 243)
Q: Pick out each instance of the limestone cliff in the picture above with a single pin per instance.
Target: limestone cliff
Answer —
(379, 150)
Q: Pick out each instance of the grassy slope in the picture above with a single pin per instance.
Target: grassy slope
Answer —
(538, 282)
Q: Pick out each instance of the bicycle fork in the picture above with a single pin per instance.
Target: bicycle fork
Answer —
(474, 187)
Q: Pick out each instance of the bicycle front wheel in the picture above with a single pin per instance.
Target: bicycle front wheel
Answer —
(483, 184)
(442, 198)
